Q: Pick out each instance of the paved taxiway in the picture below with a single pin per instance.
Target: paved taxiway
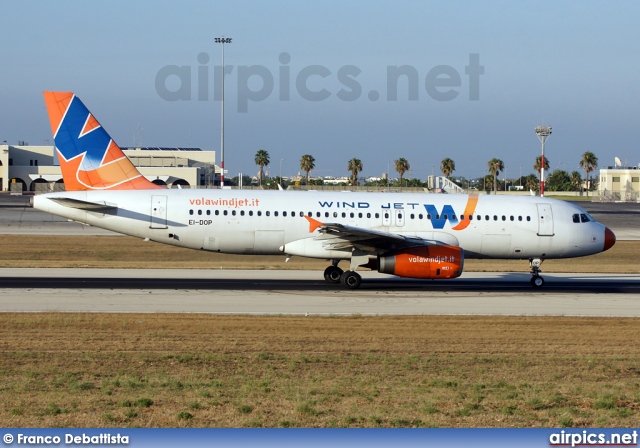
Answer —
(302, 292)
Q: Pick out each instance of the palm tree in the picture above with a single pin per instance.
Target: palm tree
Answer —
(532, 182)
(447, 166)
(538, 164)
(355, 166)
(402, 166)
(576, 181)
(262, 159)
(495, 166)
(589, 162)
(307, 163)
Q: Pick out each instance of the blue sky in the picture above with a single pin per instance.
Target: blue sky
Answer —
(571, 65)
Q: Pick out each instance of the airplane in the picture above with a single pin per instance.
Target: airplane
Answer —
(417, 235)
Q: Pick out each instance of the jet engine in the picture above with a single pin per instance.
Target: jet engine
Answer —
(423, 262)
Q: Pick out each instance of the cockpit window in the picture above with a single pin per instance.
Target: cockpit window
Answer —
(582, 217)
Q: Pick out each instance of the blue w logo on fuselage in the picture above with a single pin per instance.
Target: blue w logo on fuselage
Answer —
(438, 220)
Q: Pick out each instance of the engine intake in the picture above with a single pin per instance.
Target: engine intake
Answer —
(423, 262)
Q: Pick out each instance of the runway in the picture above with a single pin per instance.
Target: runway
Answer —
(302, 293)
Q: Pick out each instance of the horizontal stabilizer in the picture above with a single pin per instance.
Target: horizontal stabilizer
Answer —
(84, 205)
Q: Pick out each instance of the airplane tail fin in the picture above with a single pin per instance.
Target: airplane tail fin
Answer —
(88, 156)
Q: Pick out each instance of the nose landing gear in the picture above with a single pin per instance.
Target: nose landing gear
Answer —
(536, 280)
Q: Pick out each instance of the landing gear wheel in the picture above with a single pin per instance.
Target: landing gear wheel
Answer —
(351, 280)
(332, 274)
(537, 281)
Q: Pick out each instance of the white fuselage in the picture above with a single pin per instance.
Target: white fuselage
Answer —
(273, 222)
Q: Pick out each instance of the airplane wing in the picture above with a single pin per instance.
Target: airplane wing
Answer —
(85, 205)
(338, 236)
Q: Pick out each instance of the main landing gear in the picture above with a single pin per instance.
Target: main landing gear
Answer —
(536, 280)
(350, 279)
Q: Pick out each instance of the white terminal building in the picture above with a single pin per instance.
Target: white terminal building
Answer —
(36, 168)
(619, 183)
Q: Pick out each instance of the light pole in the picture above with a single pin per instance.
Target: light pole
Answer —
(521, 175)
(543, 133)
(505, 178)
(222, 40)
(281, 172)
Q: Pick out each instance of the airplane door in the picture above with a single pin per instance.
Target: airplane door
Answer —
(386, 217)
(400, 215)
(158, 212)
(545, 220)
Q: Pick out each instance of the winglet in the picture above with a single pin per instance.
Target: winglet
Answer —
(313, 224)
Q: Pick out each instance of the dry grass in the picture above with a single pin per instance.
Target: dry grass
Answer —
(153, 370)
(22, 251)
(97, 370)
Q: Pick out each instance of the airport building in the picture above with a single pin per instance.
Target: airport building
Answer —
(619, 183)
(36, 168)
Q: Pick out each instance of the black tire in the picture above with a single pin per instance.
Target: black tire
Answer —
(351, 280)
(537, 281)
(332, 274)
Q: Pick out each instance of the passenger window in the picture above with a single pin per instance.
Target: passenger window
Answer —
(486, 217)
(479, 217)
(359, 215)
(284, 214)
(267, 213)
(511, 218)
(445, 216)
(225, 213)
(519, 218)
(504, 218)
(335, 214)
(241, 212)
(199, 212)
(326, 214)
(208, 212)
(344, 215)
(428, 216)
(275, 213)
(191, 212)
(377, 215)
(495, 217)
(217, 212)
(413, 216)
(352, 215)
(233, 213)
(461, 217)
(368, 215)
(576, 218)
(470, 217)
(420, 216)
(399, 215)
(317, 214)
(437, 217)
(259, 213)
(250, 213)
(453, 217)
(528, 218)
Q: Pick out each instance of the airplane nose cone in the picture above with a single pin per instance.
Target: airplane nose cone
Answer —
(609, 239)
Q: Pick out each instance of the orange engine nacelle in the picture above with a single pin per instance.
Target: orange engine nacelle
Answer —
(423, 262)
